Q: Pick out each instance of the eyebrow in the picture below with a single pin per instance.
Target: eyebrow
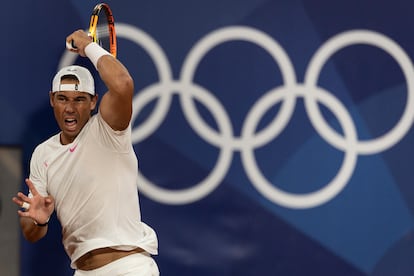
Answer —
(75, 98)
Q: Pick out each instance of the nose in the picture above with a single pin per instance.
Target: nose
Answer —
(69, 106)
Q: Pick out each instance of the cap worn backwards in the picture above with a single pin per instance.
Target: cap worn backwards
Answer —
(86, 82)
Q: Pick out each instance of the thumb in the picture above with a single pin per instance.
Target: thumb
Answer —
(49, 199)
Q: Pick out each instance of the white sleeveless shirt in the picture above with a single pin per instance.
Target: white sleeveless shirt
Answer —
(94, 183)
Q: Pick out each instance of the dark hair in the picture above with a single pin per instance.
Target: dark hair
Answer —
(69, 77)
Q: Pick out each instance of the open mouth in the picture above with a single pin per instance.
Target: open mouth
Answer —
(71, 123)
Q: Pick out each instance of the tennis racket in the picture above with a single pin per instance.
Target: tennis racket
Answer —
(102, 28)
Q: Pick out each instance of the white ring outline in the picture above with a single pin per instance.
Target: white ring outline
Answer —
(315, 66)
(206, 186)
(311, 199)
(245, 145)
(230, 34)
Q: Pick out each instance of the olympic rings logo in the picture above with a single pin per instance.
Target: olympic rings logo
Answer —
(250, 139)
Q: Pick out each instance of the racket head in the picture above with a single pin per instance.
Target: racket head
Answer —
(102, 28)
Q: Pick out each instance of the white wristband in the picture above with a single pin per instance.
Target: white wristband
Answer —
(94, 52)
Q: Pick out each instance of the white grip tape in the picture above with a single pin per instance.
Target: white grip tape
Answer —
(69, 46)
(26, 205)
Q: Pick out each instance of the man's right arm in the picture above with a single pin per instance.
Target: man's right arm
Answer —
(34, 219)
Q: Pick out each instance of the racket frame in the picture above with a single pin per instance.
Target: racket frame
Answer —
(99, 8)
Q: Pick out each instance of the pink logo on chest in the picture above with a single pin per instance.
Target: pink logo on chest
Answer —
(72, 149)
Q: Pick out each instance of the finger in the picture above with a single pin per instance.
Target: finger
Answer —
(69, 39)
(31, 187)
(23, 214)
(17, 201)
(21, 203)
(23, 197)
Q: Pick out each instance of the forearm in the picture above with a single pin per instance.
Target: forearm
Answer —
(31, 231)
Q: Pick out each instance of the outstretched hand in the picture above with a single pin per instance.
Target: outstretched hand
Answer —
(37, 207)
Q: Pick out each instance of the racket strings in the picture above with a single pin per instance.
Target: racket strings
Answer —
(102, 34)
(102, 28)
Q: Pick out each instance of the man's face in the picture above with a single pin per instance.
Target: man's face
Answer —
(72, 111)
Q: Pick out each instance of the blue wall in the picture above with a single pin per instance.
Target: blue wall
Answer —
(274, 137)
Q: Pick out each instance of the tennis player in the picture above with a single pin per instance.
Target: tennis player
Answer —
(88, 172)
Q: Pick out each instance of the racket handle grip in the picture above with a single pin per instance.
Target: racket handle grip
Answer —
(71, 45)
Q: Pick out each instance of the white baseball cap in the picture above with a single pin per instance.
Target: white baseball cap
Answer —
(86, 82)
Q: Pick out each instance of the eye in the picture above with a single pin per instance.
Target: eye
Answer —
(61, 98)
(80, 99)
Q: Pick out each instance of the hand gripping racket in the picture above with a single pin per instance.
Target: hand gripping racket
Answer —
(102, 28)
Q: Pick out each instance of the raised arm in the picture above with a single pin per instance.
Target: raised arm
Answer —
(116, 103)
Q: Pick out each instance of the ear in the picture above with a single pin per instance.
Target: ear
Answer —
(52, 99)
(94, 102)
